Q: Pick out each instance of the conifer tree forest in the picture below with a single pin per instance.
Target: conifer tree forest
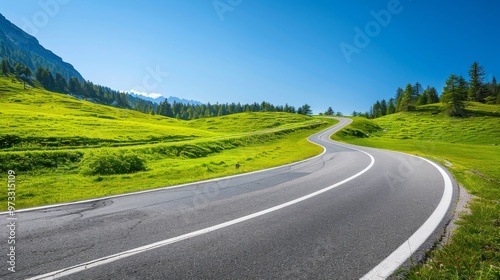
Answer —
(104, 95)
(456, 92)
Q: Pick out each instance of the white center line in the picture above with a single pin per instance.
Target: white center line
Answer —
(118, 256)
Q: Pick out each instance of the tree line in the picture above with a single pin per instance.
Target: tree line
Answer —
(103, 95)
(83, 90)
(190, 111)
(330, 112)
(456, 91)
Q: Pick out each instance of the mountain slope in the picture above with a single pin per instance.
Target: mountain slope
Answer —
(19, 46)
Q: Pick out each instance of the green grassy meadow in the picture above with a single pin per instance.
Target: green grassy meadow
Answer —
(64, 149)
(470, 149)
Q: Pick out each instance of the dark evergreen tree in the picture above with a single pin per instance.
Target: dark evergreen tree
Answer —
(165, 109)
(493, 90)
(422, 99)
(399, 95)
(417, 91)
(306, 109)
(45, 78)
(5, 66)
(89, 90)
(454, 95)
(289, 109)
(329, 111)
(383, 107)
(476, 90)
(60, 83)
(377, 110)
(405, 104)
(391, 107)
(432, 95)
(74, 86)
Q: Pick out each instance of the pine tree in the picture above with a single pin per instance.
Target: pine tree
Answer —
(454, 95)
(383, 107)
(377, 110)
(305, 109)
(417, 91)
(74, 86)
(45, 78)
(60, 83)
(391, 108)
(476, 82)
(422, 99)
(432, 95)
(39, 74)
(492, 89)
(329, 111)
(399, 95)
(5, 66)
(406, 104)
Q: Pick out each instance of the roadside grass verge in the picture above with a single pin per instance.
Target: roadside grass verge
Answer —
(44, 186)
(65, 149)
(470, 149)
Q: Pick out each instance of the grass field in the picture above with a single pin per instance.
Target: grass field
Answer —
(470, 149)
(64, 149)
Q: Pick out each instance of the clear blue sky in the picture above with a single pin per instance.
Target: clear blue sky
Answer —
(281, 51)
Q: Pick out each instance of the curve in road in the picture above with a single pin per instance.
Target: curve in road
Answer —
(379, 201)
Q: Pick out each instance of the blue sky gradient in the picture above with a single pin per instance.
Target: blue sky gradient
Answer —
(276, 51)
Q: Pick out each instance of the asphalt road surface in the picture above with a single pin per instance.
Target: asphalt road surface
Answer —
(349, 213)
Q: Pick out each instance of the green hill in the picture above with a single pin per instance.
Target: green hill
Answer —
(65, 149)
(470, 149)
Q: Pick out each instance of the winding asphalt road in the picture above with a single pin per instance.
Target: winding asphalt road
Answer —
(349, 213)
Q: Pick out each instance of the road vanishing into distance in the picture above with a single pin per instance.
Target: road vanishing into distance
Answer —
(349, 213)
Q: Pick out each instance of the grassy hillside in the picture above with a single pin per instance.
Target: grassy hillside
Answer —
(39, 116)
(65, 149)
(469, 148)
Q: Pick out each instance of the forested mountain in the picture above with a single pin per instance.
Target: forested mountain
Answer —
(19, 46)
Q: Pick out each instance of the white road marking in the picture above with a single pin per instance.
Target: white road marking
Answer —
(387, 267)
(381, 271)
(118, 256)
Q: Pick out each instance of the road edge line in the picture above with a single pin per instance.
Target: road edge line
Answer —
(398, 257)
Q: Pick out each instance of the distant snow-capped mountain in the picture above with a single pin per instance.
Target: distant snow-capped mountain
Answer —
(157, 98)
